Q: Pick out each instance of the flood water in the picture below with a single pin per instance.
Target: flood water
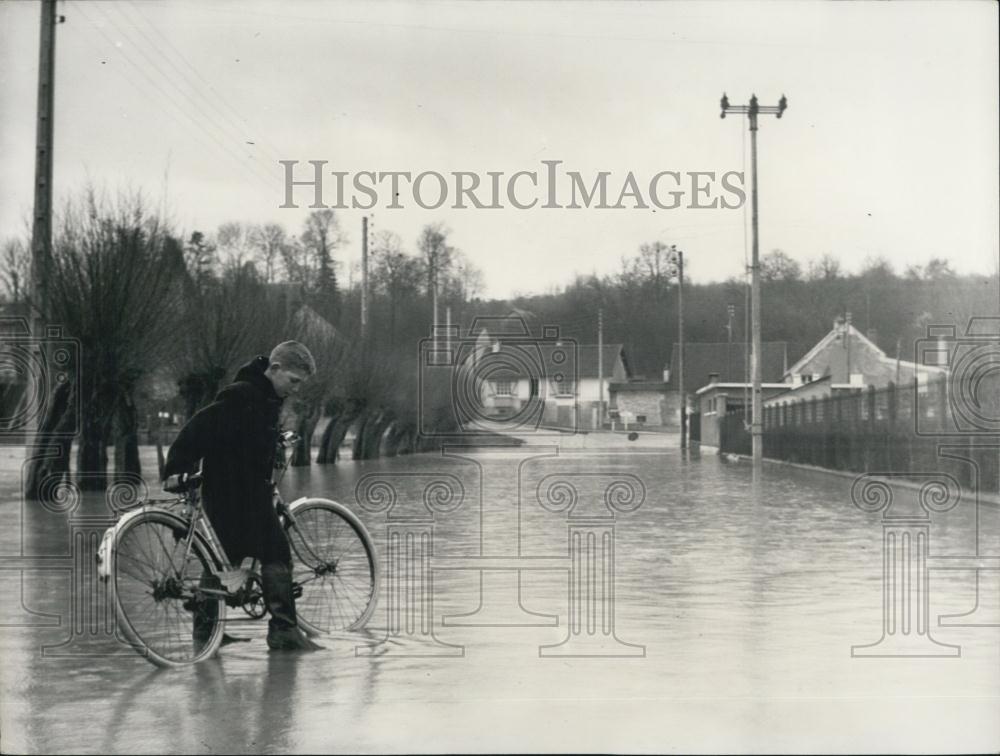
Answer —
(595, 596)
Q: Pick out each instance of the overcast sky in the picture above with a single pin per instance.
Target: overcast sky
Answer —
(889, 146)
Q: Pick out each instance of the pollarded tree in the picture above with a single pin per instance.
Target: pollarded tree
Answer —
(114, 284)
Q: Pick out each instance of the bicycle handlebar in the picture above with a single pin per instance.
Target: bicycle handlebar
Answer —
(182, 482)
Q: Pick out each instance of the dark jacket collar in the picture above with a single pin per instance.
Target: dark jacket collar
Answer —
(251, 383)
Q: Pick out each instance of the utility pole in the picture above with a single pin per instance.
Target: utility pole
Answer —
(730, 312)
(41, 227)
(364, 281)
(677, 263)
(447, 328)
(600, 369)
(756, 423)
(434, 299)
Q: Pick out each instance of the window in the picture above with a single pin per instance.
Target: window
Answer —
(504, 388)
(565, 387)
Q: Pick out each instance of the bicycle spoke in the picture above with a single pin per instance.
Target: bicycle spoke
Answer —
(167, 551)
(143, 574)
(342, 594)
(155, 586)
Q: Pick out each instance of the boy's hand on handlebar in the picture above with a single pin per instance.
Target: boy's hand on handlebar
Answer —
(284, 512)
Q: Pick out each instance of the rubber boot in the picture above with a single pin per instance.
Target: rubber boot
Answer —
(283, 633)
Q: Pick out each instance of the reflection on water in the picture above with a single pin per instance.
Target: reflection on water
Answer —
(745, 600)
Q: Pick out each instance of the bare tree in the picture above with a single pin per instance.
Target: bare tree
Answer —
(298, 263)
(395, 275)
(826, 268)
(15, 266)
(779, 266)
(268, 242)
(114, 283)
(227, 320)
(436, 254)
(465, 280)
(235, 244)
(328, 349)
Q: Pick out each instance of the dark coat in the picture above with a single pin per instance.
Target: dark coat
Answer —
(235, 438)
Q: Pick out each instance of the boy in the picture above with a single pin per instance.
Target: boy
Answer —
(235, 437)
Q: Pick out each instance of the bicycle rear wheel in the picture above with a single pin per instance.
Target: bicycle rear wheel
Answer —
(334, 564)
(159, 600)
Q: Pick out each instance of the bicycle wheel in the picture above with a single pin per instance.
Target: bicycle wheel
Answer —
(158, 598)
(334, 564)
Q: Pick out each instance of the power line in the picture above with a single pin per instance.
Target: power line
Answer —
(234, 117)
(171, 82)
(197, 129)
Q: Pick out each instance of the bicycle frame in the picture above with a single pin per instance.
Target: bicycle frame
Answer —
(197, 526)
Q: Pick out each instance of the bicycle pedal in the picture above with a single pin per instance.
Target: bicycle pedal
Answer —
(233, 579)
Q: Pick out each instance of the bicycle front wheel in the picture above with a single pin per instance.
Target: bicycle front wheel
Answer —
(159, 585)
(334, 565)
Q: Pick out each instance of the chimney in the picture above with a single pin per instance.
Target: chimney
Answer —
(713, 377)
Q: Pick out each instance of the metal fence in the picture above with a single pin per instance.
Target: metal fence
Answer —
(917, 428)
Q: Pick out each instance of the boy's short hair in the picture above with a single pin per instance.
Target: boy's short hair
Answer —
(292, 355)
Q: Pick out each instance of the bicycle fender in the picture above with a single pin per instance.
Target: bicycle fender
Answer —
(105, 552)
(303, 500)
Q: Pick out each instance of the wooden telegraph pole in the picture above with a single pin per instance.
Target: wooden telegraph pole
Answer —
(677, 269)
(600, 369)
(364, 282)
(41, 227)
(756, 428)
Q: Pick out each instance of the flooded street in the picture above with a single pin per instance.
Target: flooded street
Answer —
(602, 596)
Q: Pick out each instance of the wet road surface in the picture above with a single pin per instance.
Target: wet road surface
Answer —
(728, 624)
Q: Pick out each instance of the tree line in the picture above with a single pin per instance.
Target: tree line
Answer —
(640, 304)
(158, 315)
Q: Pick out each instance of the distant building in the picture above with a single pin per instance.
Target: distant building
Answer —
(517, 374)
(640, 404)
(515, 361)
(843, 361)
(724, 362)
(716, 398)
(846, 360)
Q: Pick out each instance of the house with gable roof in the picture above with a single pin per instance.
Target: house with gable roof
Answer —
(517, 364)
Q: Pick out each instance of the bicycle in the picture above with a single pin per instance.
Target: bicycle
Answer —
(168, 571)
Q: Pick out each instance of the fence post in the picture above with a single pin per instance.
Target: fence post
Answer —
(852, 436)
(870, 442)
(813, 445)
(890, 436)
